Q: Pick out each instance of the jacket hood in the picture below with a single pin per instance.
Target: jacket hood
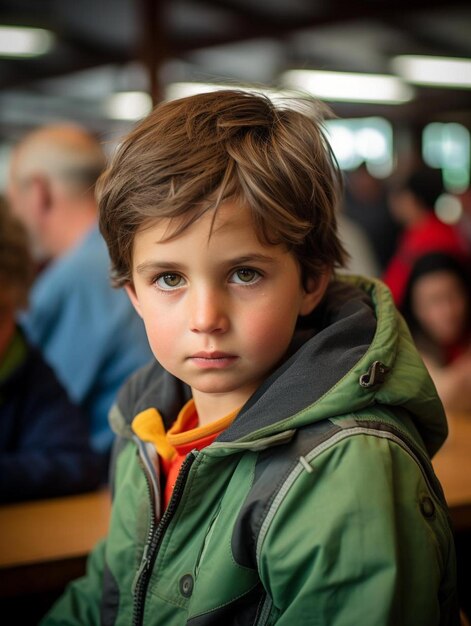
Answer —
(353, 352)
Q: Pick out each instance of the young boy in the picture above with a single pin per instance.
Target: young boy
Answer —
(273, 466)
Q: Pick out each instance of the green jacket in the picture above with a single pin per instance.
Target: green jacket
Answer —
(318, 506)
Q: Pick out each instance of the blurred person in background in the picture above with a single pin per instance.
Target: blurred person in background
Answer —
(362, 258)
(413, 206)
(44, 442)
(437, 307)
(366, 204)
(88, 332)
(464, 223)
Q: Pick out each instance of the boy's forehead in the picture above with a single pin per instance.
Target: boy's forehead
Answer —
(230, 216)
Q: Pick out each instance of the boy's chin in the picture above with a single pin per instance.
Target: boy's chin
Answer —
(221, 389)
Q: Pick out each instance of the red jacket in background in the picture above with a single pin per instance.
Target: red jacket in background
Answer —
(430, 235)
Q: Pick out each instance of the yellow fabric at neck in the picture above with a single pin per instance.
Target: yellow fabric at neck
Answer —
(149, 426)
(178, 435)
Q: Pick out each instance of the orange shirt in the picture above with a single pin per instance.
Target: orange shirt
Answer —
(183, 436)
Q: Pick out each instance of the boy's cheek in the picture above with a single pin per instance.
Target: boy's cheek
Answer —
(267, 331)
(161, 340)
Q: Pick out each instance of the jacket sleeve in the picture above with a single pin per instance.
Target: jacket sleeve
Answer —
(360, 539)
(80, 605)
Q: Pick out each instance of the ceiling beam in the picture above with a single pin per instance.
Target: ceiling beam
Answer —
(424, 41)
(153, 49)
(251, 22)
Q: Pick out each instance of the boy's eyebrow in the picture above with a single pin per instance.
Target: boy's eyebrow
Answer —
(250, 258)
(149, 266)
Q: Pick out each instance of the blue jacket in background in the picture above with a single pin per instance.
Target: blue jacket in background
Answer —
(87, 331)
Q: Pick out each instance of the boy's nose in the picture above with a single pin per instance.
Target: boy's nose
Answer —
(208, 312)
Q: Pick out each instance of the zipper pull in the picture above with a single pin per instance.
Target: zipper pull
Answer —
(375, 375)
(142, 567)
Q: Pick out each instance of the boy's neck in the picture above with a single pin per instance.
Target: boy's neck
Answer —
(213, 407)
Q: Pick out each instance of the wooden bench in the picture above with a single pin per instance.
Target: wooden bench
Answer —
(45, 543)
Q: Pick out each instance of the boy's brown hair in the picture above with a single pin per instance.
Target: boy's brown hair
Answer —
(190, 155)
(16, 263)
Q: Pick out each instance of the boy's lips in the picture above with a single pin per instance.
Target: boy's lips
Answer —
(215, 359)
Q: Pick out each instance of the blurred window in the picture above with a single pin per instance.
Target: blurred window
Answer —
(366, 140)
(447, 146)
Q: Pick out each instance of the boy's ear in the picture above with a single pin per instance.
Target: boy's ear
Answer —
(314, 291)
(130, 290)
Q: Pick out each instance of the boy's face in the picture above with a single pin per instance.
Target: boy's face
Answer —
(219, 309)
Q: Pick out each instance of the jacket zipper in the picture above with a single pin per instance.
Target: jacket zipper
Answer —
(154, 539)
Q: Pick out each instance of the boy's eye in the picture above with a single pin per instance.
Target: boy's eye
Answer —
(245, 275)
(169, 281)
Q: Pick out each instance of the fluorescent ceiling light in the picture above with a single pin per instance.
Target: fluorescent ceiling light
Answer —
(184, 89)
(16, 41)
(349, 87)
(173, 91)
(128, 105)
(439, 71)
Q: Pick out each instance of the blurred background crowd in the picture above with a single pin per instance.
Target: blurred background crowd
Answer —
(75, 76)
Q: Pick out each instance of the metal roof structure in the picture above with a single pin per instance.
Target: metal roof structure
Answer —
(106, 46)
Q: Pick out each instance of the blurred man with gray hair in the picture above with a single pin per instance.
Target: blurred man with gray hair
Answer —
(88, 331)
